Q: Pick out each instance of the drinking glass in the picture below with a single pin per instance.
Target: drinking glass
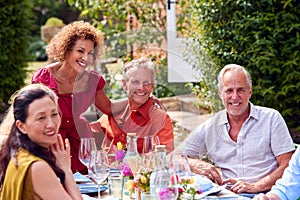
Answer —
(106, 144)
(148, 151)
(99, 168)
(149, 143)
(87, 146)
(166, 185)
(179, 165)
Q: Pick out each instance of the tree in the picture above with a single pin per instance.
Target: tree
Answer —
(15, 18)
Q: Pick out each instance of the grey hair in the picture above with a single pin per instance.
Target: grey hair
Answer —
(143, 63)
(233, 67)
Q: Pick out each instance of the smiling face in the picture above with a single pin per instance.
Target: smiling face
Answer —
(138, 86)
(81, 55)
(235, 93)
(42, 122)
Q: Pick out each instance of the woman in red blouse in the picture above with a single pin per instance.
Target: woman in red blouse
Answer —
(75, 48)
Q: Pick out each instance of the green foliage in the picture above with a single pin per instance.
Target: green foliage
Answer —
(117, 20)
(54, 21)
(128, 39)
(264, 37)
(14, 41)
(162, 88)
(37, 49)
(58, 11)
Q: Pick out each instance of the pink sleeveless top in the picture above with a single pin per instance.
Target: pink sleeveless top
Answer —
(74, 125)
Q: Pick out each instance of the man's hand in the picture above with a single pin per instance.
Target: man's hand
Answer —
(205, 169)
(238, 186)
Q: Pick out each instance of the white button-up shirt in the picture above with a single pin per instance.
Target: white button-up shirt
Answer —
(263, 136)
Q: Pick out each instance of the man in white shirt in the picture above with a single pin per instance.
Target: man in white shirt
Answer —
(250, 144)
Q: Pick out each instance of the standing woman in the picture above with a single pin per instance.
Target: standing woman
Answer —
(76, 47)
(34, 161)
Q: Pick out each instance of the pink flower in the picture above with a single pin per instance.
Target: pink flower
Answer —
(120, 154)
(126, 171)
(165, 194)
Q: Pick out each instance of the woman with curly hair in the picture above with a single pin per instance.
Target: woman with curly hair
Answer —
(34, 160)
(75, 48)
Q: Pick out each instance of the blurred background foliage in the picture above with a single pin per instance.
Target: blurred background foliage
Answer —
(263, 36)
(16, 25)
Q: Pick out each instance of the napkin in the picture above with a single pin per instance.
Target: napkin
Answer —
(79, 178)
(87, 197)
(203, 182)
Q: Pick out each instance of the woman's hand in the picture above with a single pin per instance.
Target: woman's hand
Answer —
(157, 103)
(61, 152)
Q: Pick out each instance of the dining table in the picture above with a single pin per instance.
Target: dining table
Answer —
(89, 191)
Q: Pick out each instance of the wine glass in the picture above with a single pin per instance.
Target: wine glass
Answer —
(99, 168)
(179, 165)
(87, 146)
(149, 143)
(165, 185)
(107, 144)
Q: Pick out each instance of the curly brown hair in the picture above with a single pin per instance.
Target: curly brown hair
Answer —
(66, 38)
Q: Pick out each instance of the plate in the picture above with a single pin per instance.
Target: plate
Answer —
(79, 178)
(88, 188)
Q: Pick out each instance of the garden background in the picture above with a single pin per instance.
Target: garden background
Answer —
(263, 36)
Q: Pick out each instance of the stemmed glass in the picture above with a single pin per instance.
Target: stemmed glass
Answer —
(87, 146)
(165, 185)
(106, 144)
(179, 165)
(99, 168)
(149, 143)
(148, 150)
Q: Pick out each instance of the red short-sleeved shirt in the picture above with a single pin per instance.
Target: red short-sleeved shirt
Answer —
(147, 120)
(73, 125)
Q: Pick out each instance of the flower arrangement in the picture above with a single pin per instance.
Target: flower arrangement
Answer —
(189, 188)
(119, 156)
(140, 183)
(130, 185)
(142, 180)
